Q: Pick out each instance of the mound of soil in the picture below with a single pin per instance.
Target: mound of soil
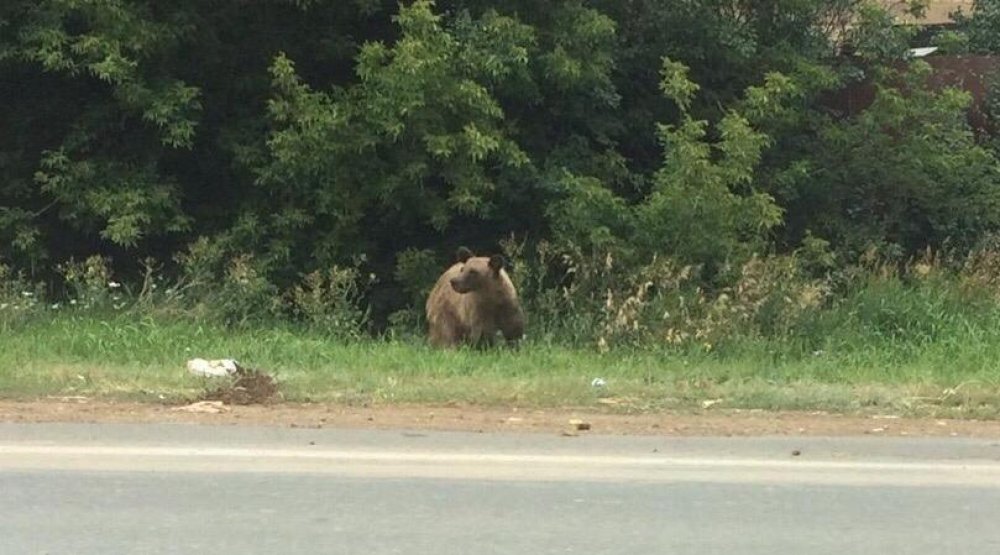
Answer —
(247, 386)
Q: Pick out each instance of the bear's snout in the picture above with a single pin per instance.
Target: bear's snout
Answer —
(458, 285)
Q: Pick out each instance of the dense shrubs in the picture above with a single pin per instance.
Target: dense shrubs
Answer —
(316, 164)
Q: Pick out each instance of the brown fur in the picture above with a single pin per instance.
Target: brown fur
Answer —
(472, 301)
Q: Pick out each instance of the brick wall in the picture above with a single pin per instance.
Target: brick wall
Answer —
(971, 73)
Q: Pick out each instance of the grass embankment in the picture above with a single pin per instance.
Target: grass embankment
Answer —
(127, 356)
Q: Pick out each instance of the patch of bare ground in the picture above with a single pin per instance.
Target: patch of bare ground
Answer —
(484, 419)
(247, 386)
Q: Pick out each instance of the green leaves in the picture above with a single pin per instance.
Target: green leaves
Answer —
(701, 208)
(980, 27)
(111, 41)
(676, 85)
(497, 46)
(172, 106)
(906, 173)
(591, 218)
(125, 203)
(876, 38)
(310, 133)
(420, 138)
(581, 54)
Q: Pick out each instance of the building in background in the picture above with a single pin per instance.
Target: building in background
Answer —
(976, 74)
(938, 11)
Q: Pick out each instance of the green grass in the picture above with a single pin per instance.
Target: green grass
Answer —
(125, 356)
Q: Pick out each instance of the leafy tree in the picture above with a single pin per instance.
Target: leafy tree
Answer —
(294, 136)
(416, 147)
(133, 120)
(107, 112)
(906, 173)
(703, 207)
(981, 27)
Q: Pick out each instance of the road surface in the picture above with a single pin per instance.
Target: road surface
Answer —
(117, 488)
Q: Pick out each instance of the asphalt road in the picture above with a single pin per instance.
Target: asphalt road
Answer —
(100, 489)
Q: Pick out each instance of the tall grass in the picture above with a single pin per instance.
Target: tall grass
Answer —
(128, 356)
(922, 337)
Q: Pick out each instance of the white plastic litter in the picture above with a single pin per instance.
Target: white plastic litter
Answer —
(212, 368)
(923, 51)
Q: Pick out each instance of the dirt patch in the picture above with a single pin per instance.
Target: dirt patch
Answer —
(247, 386)
(479, 419)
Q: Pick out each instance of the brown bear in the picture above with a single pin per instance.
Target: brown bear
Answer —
(472, 301)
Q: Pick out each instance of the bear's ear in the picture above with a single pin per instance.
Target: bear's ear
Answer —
(497, 263)
(463, 254)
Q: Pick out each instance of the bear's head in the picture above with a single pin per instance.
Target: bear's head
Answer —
(478, 273)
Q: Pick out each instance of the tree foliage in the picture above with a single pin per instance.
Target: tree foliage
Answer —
(297, 136)
(979, 27)
(418, 141)
(907, 173)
